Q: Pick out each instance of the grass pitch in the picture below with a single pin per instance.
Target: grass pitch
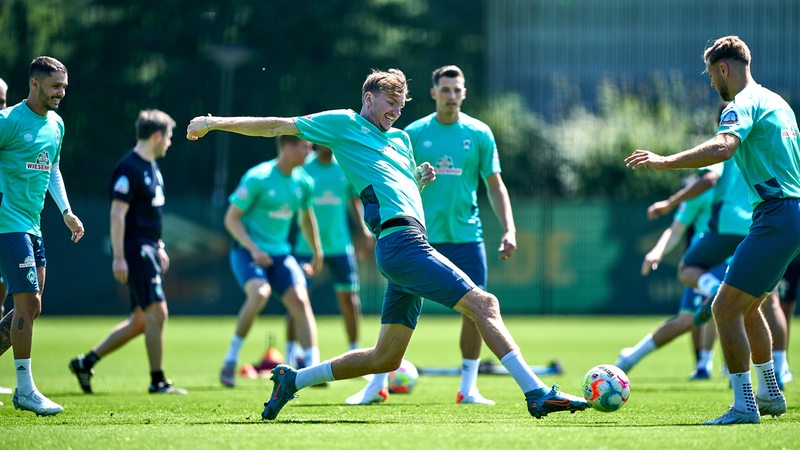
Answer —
(664, 410)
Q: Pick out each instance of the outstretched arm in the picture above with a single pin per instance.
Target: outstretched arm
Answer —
(719, 148)
(248, 126)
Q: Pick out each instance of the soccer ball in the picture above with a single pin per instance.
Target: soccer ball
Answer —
(606, 387)
(403, 380)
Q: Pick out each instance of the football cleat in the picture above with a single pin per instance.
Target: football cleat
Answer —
(700, 374)
(84, 375)
(283, 390)
(227, 376)
(541, 402)
(473, 398)
(36, 402)
(733, 416)
(166, 387)
(774, 407)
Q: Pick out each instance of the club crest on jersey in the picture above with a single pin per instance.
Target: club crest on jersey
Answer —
(42, 162)
(467, 144)
(445, 166)
(729, 118)
(29, 262)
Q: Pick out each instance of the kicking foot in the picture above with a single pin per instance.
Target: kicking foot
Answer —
(283, 390)
(541, 402)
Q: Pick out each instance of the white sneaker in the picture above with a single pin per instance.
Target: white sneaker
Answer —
(368, 396)
(473, 398)
(733, 416)
(36, 402)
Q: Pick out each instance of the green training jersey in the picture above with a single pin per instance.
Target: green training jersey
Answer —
(332, 194)
(379, 164)
(30, 145)
(696, 213)
(769, 153)
(270, 201)
(462, 153)
(731, 211)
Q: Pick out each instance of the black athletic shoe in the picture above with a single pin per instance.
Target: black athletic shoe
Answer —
(84, 375)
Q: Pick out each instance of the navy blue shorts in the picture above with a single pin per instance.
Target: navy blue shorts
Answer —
(343, 268)
(281, 275)
(790, 281)
(20, 255)
(711, 249)
(773, 242)
(145, 281)
(469, 257)
(414, 269)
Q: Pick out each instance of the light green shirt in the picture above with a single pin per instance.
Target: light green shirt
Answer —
(769, 153)
(30, 145)
(270, 200)
(332, 194)
(462, 153)
(379, 164)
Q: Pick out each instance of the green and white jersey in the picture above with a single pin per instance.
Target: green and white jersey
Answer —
(769, 153)
(270, 200)
(379, 164)
(332, 194)
(462, 153)
(30, 145)
(731, 211)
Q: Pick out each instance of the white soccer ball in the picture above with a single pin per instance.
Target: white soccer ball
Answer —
(606, 388)
(403, 380)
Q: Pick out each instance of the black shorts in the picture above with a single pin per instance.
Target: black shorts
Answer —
(144, 274)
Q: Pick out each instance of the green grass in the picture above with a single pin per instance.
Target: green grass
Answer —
(664, 409)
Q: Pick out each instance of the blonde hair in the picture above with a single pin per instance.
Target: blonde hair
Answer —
(391, 82)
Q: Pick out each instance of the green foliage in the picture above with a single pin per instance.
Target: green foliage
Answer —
(664, 116)
(664, 409)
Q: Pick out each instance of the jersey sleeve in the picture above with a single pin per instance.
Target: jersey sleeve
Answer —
(123, 183)
(322, 128)
(736, 120)
(245, 194)
(490, 158)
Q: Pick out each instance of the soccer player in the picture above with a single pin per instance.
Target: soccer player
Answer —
(788, 298)
(379, 161)
(335, 204)
(3, 95)
(463, 151)
(694, 212)
(29, 167)
(139, 255)
(759, 130)
(258, 219)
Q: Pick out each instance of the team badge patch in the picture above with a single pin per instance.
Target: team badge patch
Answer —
(122, 185)
(729, 118)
